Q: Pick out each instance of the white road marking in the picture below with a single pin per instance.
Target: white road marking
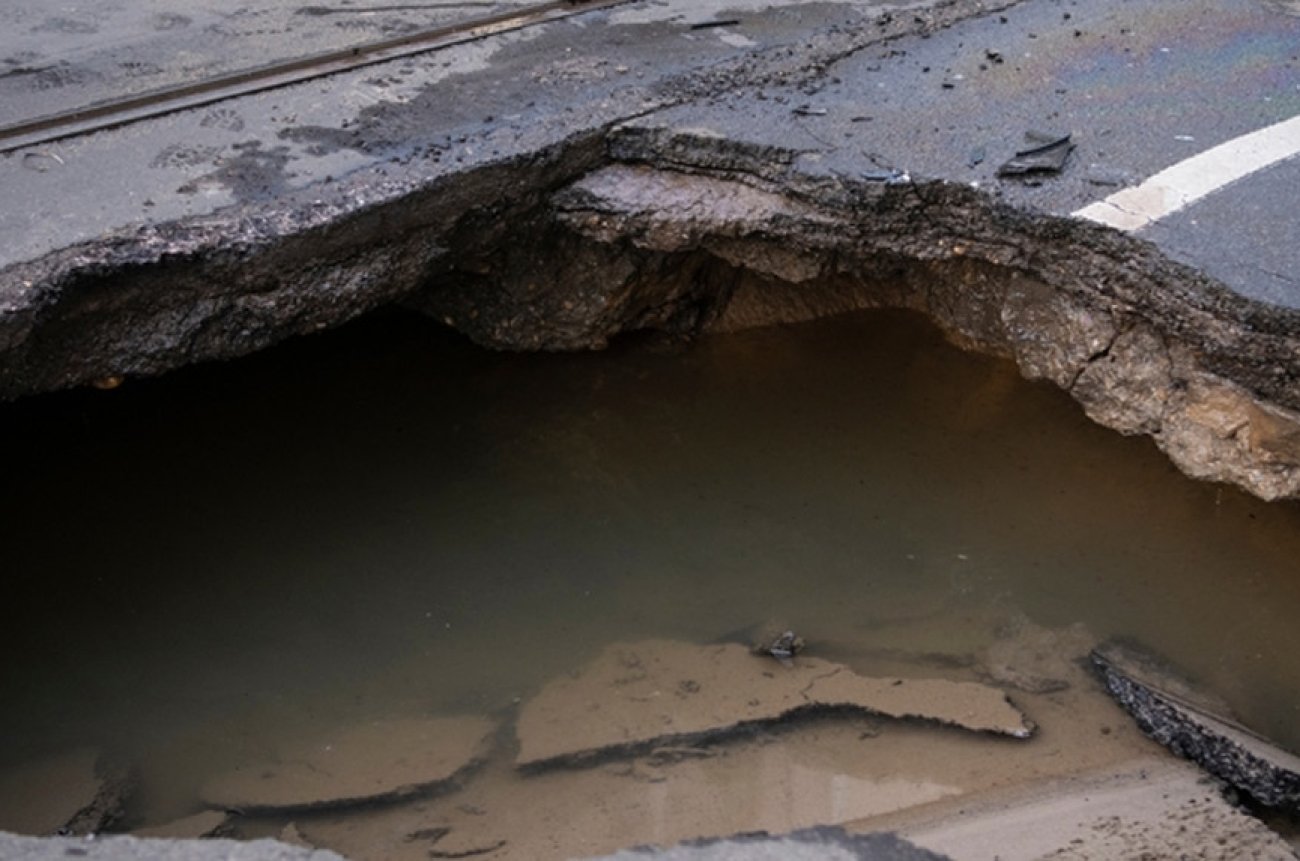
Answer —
(1191, 179)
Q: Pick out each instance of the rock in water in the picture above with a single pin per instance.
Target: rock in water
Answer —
(375, 761)
(1169, 709)
(784, 646)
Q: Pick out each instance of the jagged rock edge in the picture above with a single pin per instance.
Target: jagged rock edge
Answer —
(233, 248)
(1224, 370)
(163, 296)
(1166, 723)
(1217, 389)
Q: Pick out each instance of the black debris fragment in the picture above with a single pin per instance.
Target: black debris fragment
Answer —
(709, 25)
(1047, 154)
(784, 647)
(809, 111)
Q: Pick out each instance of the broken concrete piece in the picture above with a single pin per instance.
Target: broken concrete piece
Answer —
(1045, 154)
(208, 823)
(71, 793)
(658, 691)
(1197, 727)
(376, 761)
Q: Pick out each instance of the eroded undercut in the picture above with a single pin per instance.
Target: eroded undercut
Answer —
(708, 241)
(684, 232)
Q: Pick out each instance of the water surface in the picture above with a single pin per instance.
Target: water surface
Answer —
(388, 520)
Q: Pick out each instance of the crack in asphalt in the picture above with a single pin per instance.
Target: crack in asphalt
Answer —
(1097, 356)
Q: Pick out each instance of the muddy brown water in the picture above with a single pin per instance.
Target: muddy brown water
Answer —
(387, 520)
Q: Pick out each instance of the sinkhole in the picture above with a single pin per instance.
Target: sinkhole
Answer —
(386, 521)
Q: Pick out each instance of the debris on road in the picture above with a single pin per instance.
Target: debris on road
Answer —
(709, 25)
(1113, 177)
(784, 646)
(378, 761)
(1201, 728)
(658, 692)
(1047, 154)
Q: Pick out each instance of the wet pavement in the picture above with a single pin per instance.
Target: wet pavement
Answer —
(1138, 87)
(59, 59)
(1243, 235)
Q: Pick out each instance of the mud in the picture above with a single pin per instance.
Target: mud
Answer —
(72, 793)
(381, 760)
(1152, 808)
(207, 823)
(864, 772)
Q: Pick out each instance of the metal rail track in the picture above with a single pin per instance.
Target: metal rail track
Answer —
(119, 112)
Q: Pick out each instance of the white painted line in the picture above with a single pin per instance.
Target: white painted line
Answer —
(1191, 179)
